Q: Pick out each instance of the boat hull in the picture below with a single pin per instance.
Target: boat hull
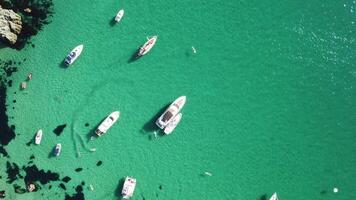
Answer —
(128, 188)
(38, 137)
(73, 55)
(173, 124)
(171, 112)
(57, 149)
(144, 49)
(119, 16)
(274, 197)
(107, 123)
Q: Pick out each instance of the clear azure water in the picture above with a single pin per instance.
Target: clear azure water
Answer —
(270, 99)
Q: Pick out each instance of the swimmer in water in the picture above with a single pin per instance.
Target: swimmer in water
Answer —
(208, 174)
(194, 50)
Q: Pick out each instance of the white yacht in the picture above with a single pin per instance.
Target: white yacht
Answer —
(73, 55)
(147, 46)
(57, 149)
(38, 137)
(274, 197)
(172, 125)
(107, 123)
(128, 188)
(119, 15)
(171, 112)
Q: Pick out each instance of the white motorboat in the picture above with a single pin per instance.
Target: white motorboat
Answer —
(73, 55)
(57, 149)
(147, 46)
(274, 197)
(172, 125)
(119, 15)
(38, 137)
(128, 188)
(171, 112)
(107, 123)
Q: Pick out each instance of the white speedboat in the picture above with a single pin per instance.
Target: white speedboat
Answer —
(128, 188)
(171, 112)
(38, 137)
(57, 149)
(107, 123)
(172, 125)
(119, 15)
(73, 55)
(274, 197)
(147, 46)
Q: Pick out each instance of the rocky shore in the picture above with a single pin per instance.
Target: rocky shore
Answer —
(10, 25)
(20, 20)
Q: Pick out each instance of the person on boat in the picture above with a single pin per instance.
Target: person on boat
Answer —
(29, 77)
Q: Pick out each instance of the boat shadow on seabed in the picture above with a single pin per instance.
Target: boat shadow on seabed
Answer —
(263, 197)
(119, 188)
(134, 56)
(150, 125)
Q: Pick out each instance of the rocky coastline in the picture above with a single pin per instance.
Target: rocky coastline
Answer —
(20, 20)
(10, 25)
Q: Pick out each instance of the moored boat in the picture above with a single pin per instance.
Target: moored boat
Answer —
(128, 188)
(107, 123)
(57, 149)
(274, 197)
(73, 55)
(119, 15)
(38, 137)
(147, 46)
(172, 125)
(171, 112)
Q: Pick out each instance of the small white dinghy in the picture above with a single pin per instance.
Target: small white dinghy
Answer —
(274, 197)
(145, 48)
(57, 149)
(107, 123)
(38, 137)
(119, 15)
(73, 55)
(128, 188)
(172, 125)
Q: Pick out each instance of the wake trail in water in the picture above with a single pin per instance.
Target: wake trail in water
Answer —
(75, 135)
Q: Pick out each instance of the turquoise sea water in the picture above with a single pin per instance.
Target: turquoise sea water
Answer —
(270, 99)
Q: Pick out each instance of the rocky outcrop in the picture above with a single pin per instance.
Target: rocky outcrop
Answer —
(10, 25)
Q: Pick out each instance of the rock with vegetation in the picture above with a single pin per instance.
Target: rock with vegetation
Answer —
(10, 25)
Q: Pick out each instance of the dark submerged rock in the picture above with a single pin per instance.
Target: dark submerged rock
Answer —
(79, 189)
(2, 194)
(77, 196)
(33, 174)
(99, 163)
(66, 179)
(12, 171)
(61, 185)
(3, 151)
(59, 129)
(7, 134)
(79, 169)
(18, 189)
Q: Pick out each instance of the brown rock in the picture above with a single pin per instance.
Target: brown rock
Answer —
(10, 25)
